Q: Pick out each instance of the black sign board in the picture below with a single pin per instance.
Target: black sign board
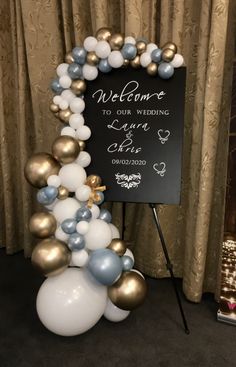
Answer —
(137, 126)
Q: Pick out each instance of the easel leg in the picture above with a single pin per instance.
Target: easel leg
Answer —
(169, 266)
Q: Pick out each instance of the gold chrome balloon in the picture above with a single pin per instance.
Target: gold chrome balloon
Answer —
(171, 45)
(65, 149)
(135, 63)
(167, 54)
(116, 41)
(42, 224)
(65, 115)
(78, 87)
(125, 63)
(92, 58)
(118, 245)
(129, 291)
(103, 34)
(93, 181)
(69, 58)
(63, 193)
(39, 167)
(152, 69)
(141, 47)
(51, 257)
(82, 144)
(54, 107)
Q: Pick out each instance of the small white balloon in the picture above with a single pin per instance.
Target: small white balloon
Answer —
(95, 211)
(115, 59)
(63, 104)
(54, 180)
(90, 43)
(177, 61)
(65, 209)
(151, 47)
(76, 120)
(138, 272)
(79, 258)
(82, 192)
(72, 176)
(102, 49)
(114, 231)
(98, 235)
(82, 227)
(57, 99)
(77, 105)
(65, 81)
(129, 253)
(83, 133)
(62, 69)
(67, 130)
(67, 95)
(90, 72)
(130, 39)
(145, 59)
(115, 314)
(84, 159)
(61, 235)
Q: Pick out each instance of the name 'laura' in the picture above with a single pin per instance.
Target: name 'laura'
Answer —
(127, 94)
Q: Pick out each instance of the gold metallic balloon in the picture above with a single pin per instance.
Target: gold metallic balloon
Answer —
(125, 63)
(42, 224)
(152, 69)
(65, 149)
(69, 58)
(92, 58)
(129, 291)
(167, 55)
(78, 87)
(65, 115)
(93, 181)
(135, 63)
(171, 45)
(63, 193)
(118, 245)
(39, 167)
(103, 34)
(116, 41)
(141, 47)
(82, 145)
(54, 107)
(51, 257)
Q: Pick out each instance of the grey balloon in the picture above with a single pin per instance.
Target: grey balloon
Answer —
(127, 263)
(105, 215)
(76, 242)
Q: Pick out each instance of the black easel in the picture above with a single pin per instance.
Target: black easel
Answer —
(169, 265)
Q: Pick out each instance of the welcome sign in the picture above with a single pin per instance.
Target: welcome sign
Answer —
(137, 123)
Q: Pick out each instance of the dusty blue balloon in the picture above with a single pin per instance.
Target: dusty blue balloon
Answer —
(105, 265)
(165, 70)
(156, 55)
(56, 86)
(83, 213)
(74, 70)
(101, 197)
(47, 195)
(129, 51)
(104, 66)
(105, 215)
(76, 242)
(69, 225)
(127, 263)
(79, 54)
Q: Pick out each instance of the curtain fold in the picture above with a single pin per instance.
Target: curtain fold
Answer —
(35, 35)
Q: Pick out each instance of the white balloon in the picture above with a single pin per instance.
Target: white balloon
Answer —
(115, 59)
(82, 192)
(76, 120)
(72, 176)
(90, 72)
(98, 235)
(95, 211)
(145, 59)
(79, 258)
(77, 105)
(51, 206)
(102, 49)
(63, 104)
(67, 130)
(71, 303)
(54, 180)
(65, 81)
(61, 235)
(83, 133)
(138, 272)
(82, 227)
(129, 253)
(151, 47)
(57, 100)
(177, 61)
(130, 39)
(84, 159)
(65, 209)
(115, 314)
(67, 95)
(114, 231)
(62, 69)
(90, 43)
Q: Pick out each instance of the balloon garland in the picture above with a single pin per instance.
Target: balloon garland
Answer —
(89, 269)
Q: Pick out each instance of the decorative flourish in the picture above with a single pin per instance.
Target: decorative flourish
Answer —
(128, 181)
(160, 168)
(163, 135)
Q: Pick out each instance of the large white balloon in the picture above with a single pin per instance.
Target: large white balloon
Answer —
(61, 235)
(90, 72)
(71, 303)
(177, 61)
(115, 314)
(72, 176)
(65, 209)
(82, 192)
(98, 235)
(116, 59)
(145, 59)
(114, 231)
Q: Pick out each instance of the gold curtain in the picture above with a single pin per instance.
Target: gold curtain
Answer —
(36, 34)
